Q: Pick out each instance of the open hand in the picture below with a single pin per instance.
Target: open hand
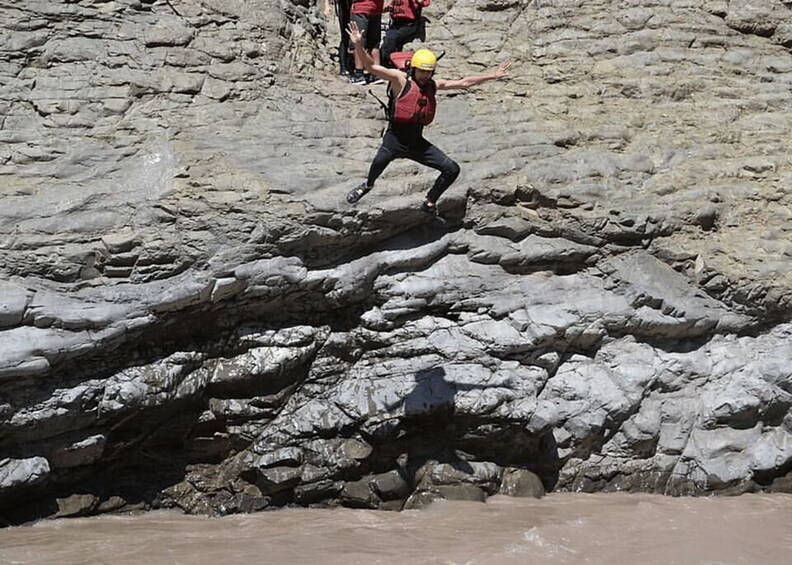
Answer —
(354, 33)
(503, 70)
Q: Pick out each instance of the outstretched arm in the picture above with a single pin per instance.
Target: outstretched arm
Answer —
(396, 78)
(501, 72)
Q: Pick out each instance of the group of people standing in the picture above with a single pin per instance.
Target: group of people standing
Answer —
(412, 103)
(406, 24)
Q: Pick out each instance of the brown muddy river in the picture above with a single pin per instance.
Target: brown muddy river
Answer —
(611, 529)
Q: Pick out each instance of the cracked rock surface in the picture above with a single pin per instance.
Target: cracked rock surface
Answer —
(192, 316)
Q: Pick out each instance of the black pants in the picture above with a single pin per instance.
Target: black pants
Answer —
(342, 8)
(413, 146)
(397, 35)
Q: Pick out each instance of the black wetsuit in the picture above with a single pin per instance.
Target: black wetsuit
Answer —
(406, 141)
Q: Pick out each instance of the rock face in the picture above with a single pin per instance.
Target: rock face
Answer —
(191, 315)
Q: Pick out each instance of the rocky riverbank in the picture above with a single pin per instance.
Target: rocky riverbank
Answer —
(191, 315)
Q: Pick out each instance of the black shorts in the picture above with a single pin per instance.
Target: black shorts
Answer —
(370, 27)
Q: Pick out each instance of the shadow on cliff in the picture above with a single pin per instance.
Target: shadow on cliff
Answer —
(435, 429)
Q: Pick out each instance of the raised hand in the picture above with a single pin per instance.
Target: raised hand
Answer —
(503, 70)
(354, 33)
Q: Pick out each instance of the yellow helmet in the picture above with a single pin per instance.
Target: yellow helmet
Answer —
(423, 59)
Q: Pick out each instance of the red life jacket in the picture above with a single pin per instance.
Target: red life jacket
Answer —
(408, 10)
(416, 105)
(367, 7)
(400, 59)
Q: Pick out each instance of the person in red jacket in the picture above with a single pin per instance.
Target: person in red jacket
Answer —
(413, 108)
(367, 16)
(406, 25)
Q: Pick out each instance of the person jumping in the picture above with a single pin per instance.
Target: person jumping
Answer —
(412, 109)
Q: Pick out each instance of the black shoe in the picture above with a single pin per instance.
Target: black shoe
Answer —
(371, 79)
(357, 79)
(432, 210)
(357, 193)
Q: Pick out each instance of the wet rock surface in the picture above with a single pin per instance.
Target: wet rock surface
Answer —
(192, 316)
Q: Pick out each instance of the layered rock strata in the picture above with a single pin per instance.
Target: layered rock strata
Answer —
(191, 315)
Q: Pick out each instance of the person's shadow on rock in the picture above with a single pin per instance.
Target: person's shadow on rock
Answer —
(435, 429)
(431, 419)
(432, 393)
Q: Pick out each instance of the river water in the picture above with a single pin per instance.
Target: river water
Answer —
(611, 529)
